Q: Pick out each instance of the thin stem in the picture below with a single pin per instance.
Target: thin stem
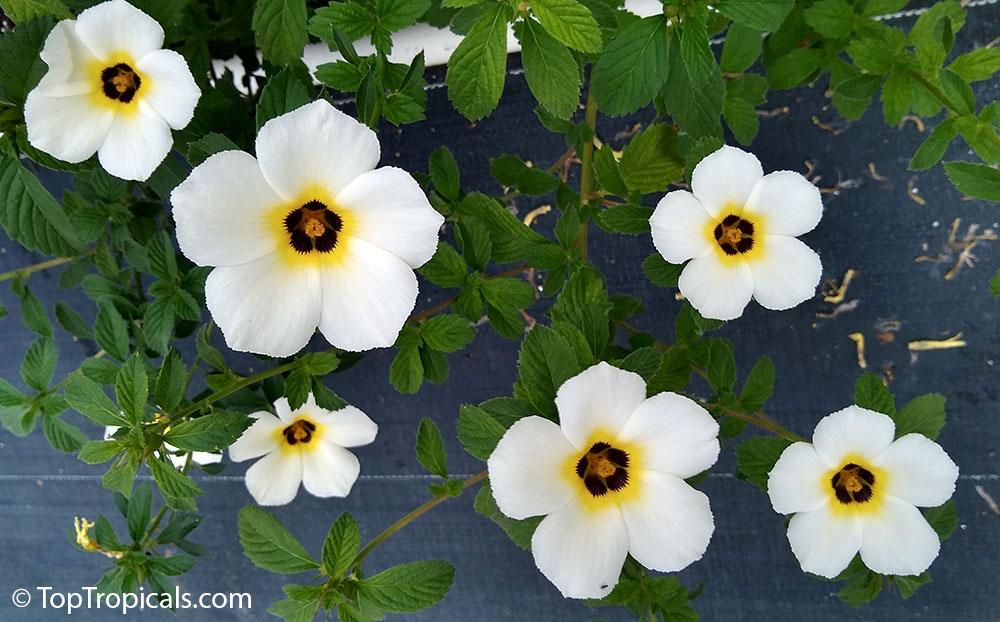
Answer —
(587, 172)
(156, 523)
(409, 518)
(58, 261)
(444, 304)
(218, 395)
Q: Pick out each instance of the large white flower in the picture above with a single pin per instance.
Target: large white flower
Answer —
(738, 228)
(855, 489)
(110, 89)
(609, 480)
(306, 235)
(304, 446)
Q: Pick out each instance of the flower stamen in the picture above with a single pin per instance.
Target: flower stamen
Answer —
(603, 468)
(313, 227)
(299, 432)
(734, 235)
(853, 484)
(120, 82)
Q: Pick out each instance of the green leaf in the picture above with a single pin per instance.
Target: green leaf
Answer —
(976, 65)
(550, 70)
(759, 14)
(291, 610)
(139, 508)
(32, 312)
(923, 415)
(512, 172)
(657, 270)
(607, 171)
(872, 55)
(834, 19)
(132, 389)
(180, 525)
(932, 149)
(29, 213)
(63, 436)
(406, 372)
(209, 432)
(570, 22)
(171, 382)
(545, 362)
(172, 482)
(476, 70)
(958, 91)
(508, 294)
(643, 361)
(95, 452)
(341, 75)
(633, 67)
(632, 219)
(512, 239)
(721, 365)
(860, 589)
(87, 398)
(943, 518)
(22, 67)
(111, 331)
(696, 53)
(691, 325)
(207, 351)
(173, 566)
(72, 322)
(673, 374)
(447, 332)
(40, 363)
(759, 385)
(975, 180)
(282, 93)
(696, 110)
(430, 448)
(435, 365)
(120, 476)
(408, 588)
(158, 323)
(908, 584)
(756, 456)
(280, 29)
(445, 175)
(18, 420)
(994, 290)
(741, 117)
(200, 150)
(652, 160)
(740, 49)
(23, 10)
(478, 431)
(519, 531)
(10, 396)
(794, 68)
(446, 268)
(871, 393)
(341, 545)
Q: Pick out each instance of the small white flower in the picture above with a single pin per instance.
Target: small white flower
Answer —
(855, 489)
(306, 234)
(110, 89)
(304, 446)
(738, 228)
(609, 480)
(177, 456)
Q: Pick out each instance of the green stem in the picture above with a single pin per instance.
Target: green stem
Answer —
(587, 172)
(218, 395)
(932, 89)
(409, 518)
(35, 268)
(156, 523)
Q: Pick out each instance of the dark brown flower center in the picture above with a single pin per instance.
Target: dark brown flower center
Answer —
(299, 432)
(120, 82)
(313, 227)
(853, 484)
(603, 468)
(734, 235)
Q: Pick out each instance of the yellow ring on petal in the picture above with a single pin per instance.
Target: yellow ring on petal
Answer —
(879, 487)
(628, 493)
(288, 255)
(97, 96)
(759, 223)
(311, 445)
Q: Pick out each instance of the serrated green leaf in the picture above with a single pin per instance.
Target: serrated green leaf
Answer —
(446, 268)
(408, 588)
(508, 293)
(721, 365)
(660, 272)
(111, 331)
(139, 510)
(95, 452)
(756, 456)
(519, 531)
(607, 171)
(630, 219)
(696, 53)
(406, 372)
(975, 180)
(172, 483)
(833, 19)
(280, 29)
(908, 584)
(132, 389)
(922, 415)
(180, 525)
(861, 589)
(545, 362)
(120, 476)
(943, 518)
(171, 381)
(209, 432)
(958, 91)
(24, 10)
(200, 150)
(341, 545)
(22, 66)
(932, 149)
(87, 398)
(633, 67)
(652, 160)
(72, 322)
(759, 385)
(430, 448)
(282, 93)
(740, 49)
(29, 213)
(478, 431)
(759, 14)
(63, 436)
(871, 393)
(979, 64)
(444, 173)
(570, 22)
(794, 68)
(447, 332)
(550, 70)
(476, 70)
(40, 363)
(741, 117)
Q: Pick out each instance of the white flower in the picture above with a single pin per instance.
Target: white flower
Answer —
(177, 456)
(855, 489)
(306, 235)
(738, 229)
(610, 480)
(304, 446)
(110, 89)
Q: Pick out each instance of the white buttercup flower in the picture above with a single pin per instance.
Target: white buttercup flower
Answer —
(609, 479)
(738, 228)
(855, 489)
(306, 234)
(303, 446)
(110, 89)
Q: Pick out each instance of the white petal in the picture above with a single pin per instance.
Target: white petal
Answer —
(315, 146)
(796, 483)
(785, 274)
(275, 478)
(724, 179)
(171, 91)
(824, 543)
(530, 469)
(70, 128)
(329, 470)
(367, 295)
(677, 436)
(791, 205)
(679, 224)
(919, 471)
(716, 289)
(581, 551)
(69, 63)
(598, 401)
(387, 207)
(669, 523)
(265, 306)
(347, 427)
(222, 211)
(852, 431)
(117, 26)
(259, 439)
(284, 410)
(136, 144)
(898, 540)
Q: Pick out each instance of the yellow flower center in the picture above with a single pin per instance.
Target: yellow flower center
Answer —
(734, 235)
(603, 468)
(313, 228)
(299, 432)
(120, 82)
(853, 484)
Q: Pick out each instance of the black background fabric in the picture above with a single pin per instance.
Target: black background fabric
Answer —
(751, 575)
